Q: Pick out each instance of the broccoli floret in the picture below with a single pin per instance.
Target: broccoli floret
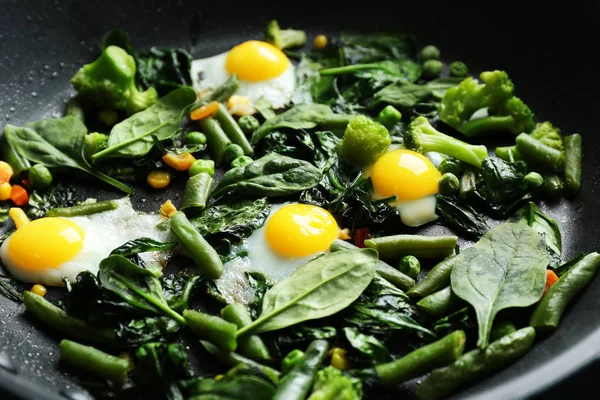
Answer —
(109, 82)
(505, 111)
(423, 137)
(331, 383)
(548, 134)
(284, 38)
(94, 142)
(364, 141)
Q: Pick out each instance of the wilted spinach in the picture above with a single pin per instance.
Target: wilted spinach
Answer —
(162, 367)
(366, 347)
(164, 68)
(545, 226)
(297, 337)
(136, 332)
(59, 196)
(142, 245)
(302, 116)
(463, 319)
(460, 216)
(8, 289)
(236, 384)
(372, 47)
(404, 96)
(3, 214)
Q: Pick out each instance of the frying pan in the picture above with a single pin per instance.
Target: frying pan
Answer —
(547, 52)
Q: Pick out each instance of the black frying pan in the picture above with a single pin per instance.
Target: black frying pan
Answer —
(549, 57)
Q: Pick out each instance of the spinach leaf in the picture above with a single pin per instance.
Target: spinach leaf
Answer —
(439, 86)
(506, 268)
(136, 285)
(164, 68)
(8, 289)
(563, 268)
(234, 388)
(160, 368)
(264, 107)
(270, 176)
(297, 337)
(136, 332)
(59, 196)
(142, 245)
(460, 216)
(377, 320)
(545, 226)
(132, 137)
(302, 116)
(463, 319)
(318, 289)
(371, 47)
(368, 346)
(178, 289)
(404, 96)
(56, 143)
(311, 86)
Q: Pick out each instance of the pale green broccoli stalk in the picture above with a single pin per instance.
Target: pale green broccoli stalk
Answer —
(505, 111)
(109, 82)
(423, 137)
(364, 141)
(94, 142)
(284, 38)
(331, 383)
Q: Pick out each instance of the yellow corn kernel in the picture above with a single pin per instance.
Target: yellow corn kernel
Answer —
(338, 359)
(167, 209)
(345, 234)
(179, 162)
(320, 42)
(159, 179)
(18, 216)
(5, 189)
(127, 356)
(6, 172)
(219, 377)
(239, 105)
(40, 290)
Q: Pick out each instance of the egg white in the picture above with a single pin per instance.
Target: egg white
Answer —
(209, 73)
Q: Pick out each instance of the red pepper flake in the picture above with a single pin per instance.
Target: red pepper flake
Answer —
(360, 236)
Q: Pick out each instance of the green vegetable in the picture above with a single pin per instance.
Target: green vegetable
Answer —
(336, 123)
(284, 38)
(502, 328)
(505, 111)
(364, 141)
(94, 361)
(202, 166)
(248, 124)
(389, 116)
(360, 47)
(318, 289)
(331, 383)
(8, 285)
(73, 107)
(451, 165)
(233, 130)
(83, 209)
(94, 143)
(164, 68)
(142, 245)
(204, 255)
(40, 177)
(410, 266)
(60, 196)
(443, 382)
(195, 138)
(19, 164)
(432, 69)
(415, 245)
(217, 139)
(160, 369)
(302, 116)
(460, 216)
(440, 86)
(423, 137)
(109, 82)
(553, 185)
(536, 152)
(234, 387)
(133, 137)
(573, 159)
(291, 359)
(405, 96)
(448, 184)
(56, 143)
(544, 225)
(367, 345)
(231, 152)
(505, 268)
(197, 191)
(549, 135)
(508, 153)
(437, 279)
(270, 176)
(212, 328)
(468, 184)
(533, 180)
(418, 362)
(250, 346)
(440, 303)
(108, 117)
(430, 52)
(297, 383)
(548, 312)
(458, 68)
(241, 161)
(136, 285)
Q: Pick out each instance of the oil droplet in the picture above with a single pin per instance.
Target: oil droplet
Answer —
(34, 94)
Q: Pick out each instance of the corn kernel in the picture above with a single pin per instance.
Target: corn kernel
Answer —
(345, 234)
(219, 377)
(320, 42)
(158, 179)
(179, 162)
(338, 359)
(239, 105)
(5, 189)
(40, 290)
(167, 209)
(18, 216)
(6, 172)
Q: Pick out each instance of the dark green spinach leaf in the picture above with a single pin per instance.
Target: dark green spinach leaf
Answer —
(545, 226)
(142, 245)
(161, 368)
(372, 47)
(8, 289)
(439, 86)
(59, 196)
(404, 96)
(164, 68)
(302, 116)
(460, 216)
(367, 346)
(3, 214)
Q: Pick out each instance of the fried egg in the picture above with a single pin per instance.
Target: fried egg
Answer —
(292, 235)
(412, 178)
(47, 249)
(262, 69)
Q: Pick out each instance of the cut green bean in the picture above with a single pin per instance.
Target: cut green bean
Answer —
(539, 153)
(508, 153)
(94, 361)
(437, 279)
(83, 209)
(420, 246)
(502, 328)
(467, 183)
(251, 346)
(553, 185)
(290, 360)
(440, 303)
(336, 123)
(197, 191)
(217, 139)
(19, 165)
(443, 382)
(221, 93)
(233, 130)
(550, 309)
(203, 254)
(573, 158)
(212, 328)
(414, 364)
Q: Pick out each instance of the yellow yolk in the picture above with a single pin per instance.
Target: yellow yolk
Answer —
(407, 174)
(298, 230)
(255, 61)
(45, 243)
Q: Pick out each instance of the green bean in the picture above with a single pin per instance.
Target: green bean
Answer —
(386, 271)
(533, 180)
(414, 245)
(197, 191)
(508, 153)
(442, 382)
(467, 183)
(203, 254)
(217, 139)
(94, 361)
(296, 384)
(573, 156)
(251, 346)
(410, 266)
(437, 279)
(502, 328)
(248, 124)
(539, 153)
(440, 303)
(212, 328)
(83, 209)
(221, 93)
(290, 360)
(20, 165)
(553, 185)
(418, 362)
(73, 107)
(549, 310)
(71, 327)
(336, 123)
(448, 184)
(186, 292)
(233, 130)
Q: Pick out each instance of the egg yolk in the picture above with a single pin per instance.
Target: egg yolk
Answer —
(256, 61)
(406, 174)
(45, 243)
(299, 230)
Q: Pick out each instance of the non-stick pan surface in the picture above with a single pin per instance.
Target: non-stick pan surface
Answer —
(548, 51)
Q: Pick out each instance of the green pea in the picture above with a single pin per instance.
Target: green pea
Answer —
(195, 138)
(40, 177)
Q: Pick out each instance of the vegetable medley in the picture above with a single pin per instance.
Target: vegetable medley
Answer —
(296, 255)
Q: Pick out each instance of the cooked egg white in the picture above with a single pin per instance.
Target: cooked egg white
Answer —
(47, 249)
